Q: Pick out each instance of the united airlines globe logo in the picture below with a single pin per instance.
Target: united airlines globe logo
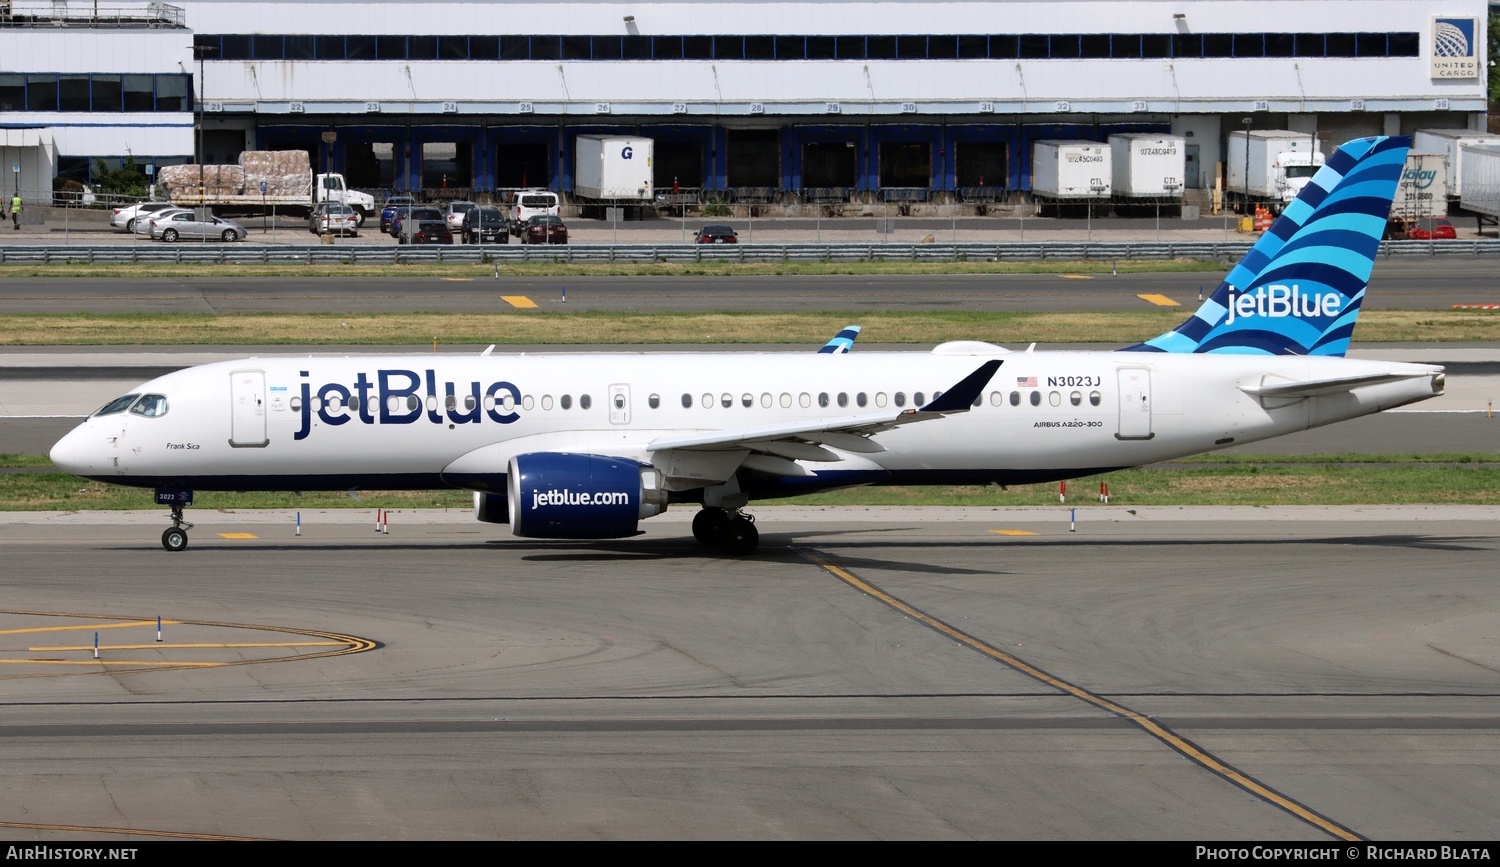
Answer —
(1449, 41)
(1453, 48)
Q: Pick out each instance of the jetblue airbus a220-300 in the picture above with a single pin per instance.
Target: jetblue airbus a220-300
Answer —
(585, 446)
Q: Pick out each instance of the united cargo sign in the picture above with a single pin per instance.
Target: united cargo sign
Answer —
(1455, 53)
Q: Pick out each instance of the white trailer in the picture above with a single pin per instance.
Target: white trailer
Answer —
(1147, 166)
(1268, 167)
(1423, 188)
(613, 169)
(1068, 172)
(1481, 182)
(1451, 143)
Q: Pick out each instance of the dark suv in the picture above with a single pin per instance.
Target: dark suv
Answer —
(484, 226)
(406, 217)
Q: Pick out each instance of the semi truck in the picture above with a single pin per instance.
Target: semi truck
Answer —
(1147, 168)
(613, 171)
(1422, 190)
(1268, 167)
(260, 183)
(1452, 144)
(1069, 172)
(1481, 183)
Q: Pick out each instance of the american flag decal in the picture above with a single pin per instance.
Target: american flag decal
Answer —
(1026, 382)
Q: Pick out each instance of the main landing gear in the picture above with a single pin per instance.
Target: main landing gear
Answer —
(175, 537)
(734, 531)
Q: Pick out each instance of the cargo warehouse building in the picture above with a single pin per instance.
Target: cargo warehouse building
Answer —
(905, 100)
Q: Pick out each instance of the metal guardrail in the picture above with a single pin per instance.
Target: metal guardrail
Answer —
(326, 254)
(50, 13)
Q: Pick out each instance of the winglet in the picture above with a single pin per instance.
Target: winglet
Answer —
(1299, 289)
(841, 342)
(962, 396)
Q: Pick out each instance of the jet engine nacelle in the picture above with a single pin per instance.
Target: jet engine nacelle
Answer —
(555, 495)
(491, 508)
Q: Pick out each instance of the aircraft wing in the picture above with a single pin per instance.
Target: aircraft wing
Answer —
(799, 440)
(1315, 387)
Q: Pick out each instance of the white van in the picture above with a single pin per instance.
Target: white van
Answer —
(532, 203)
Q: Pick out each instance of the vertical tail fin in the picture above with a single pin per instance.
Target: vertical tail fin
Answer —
(1298, 290)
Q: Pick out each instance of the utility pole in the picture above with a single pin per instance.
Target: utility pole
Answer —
(1246, 205)
(201, 52)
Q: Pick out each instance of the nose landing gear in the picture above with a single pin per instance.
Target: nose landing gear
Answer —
(175, 537)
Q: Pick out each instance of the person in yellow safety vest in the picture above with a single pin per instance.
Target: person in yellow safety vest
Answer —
(15, 211)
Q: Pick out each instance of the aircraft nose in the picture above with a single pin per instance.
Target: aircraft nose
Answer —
(81, 452)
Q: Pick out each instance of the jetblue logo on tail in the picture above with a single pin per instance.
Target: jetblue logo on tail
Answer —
(1278, 301)
(1298, 290)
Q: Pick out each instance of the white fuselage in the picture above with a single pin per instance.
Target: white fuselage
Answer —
(428, 421)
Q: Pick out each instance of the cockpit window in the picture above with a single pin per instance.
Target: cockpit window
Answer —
(150, 406)
(119, 404)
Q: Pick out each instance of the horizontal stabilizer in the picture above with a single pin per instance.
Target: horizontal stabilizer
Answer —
(1337, 385)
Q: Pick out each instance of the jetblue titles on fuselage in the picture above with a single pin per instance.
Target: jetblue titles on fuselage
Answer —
(395, 396)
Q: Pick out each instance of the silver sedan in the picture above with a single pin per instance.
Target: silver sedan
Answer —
(182, 225)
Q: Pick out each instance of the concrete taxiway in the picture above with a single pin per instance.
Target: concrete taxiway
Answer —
(1316, 674)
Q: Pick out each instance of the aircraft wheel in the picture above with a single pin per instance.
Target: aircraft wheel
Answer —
(174, 539)
(709, 524)
(740, 537)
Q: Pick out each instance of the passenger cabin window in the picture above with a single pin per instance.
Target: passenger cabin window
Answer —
(119, 404)
(584, 401)
(654, 401)
(566, 401)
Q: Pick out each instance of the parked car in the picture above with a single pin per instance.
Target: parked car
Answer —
(426, 232)
(1430, 229)
(718, 234)
(454, 213)
(544, 229)
(484, 226)
(389, 209)
(416, 213)
(532, 203)
(143, 223)
(195, 225)
(333, 218)
(125, 217)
